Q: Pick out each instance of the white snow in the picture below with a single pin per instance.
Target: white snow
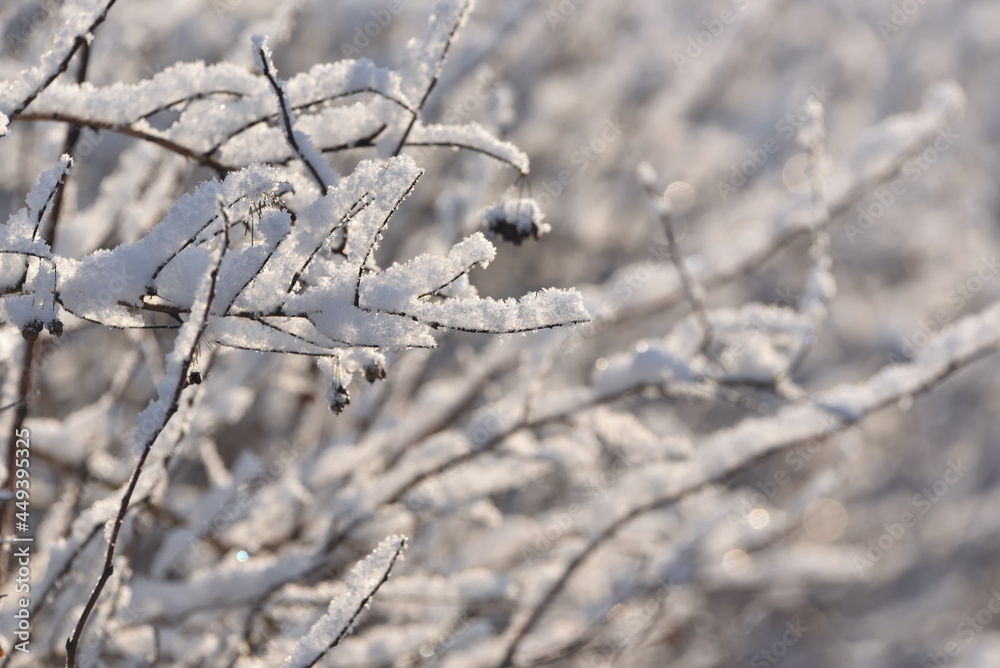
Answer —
(342, 616)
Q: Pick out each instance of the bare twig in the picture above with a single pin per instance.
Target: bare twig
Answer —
(693, 290)
(285, 112)
(148, 135)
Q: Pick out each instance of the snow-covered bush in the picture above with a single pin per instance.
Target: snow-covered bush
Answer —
(248, 376)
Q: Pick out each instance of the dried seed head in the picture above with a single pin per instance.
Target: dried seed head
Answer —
(374, 370)
(339, 398)
(194, 377)
(31, 331)
(55, 327)
(515, 220)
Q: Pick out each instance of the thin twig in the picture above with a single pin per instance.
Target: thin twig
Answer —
(841, 421)
(467, 147)
(17, 402)
(78, 43)
(378, 233)
(752, 259)
(362, 605)
(147, 135)
(693, 290)
(812, 137)
(202, 323)
(286, 114)
(28, 352)
(434, 80)
(304, 106)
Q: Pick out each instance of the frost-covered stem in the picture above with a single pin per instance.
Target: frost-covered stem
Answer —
(150, 439)
(356, 208)
(414, 114)
(487, 446)
(478, 330)
(466, 147)
(285, 113)
(50, 198)
(819, 252)
(50, 201)
(752, 259)
(928, 379)
(693, 290)
(306, 105)
(187, 99)
(820, 280)
(69, 147)
(374, 241)
(28, 353)
(336, 538)
(78, 43)
(147, 500)
(129, 131)
(365, 602)
(194, 237)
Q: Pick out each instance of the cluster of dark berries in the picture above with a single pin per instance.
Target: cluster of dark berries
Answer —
(515, 220)
(339, 398)
(31, 331)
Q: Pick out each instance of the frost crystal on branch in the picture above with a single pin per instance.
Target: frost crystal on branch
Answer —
(298, 269)
(284, 291)
(364, 581)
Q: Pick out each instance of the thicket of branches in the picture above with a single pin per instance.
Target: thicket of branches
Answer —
(258, 378)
